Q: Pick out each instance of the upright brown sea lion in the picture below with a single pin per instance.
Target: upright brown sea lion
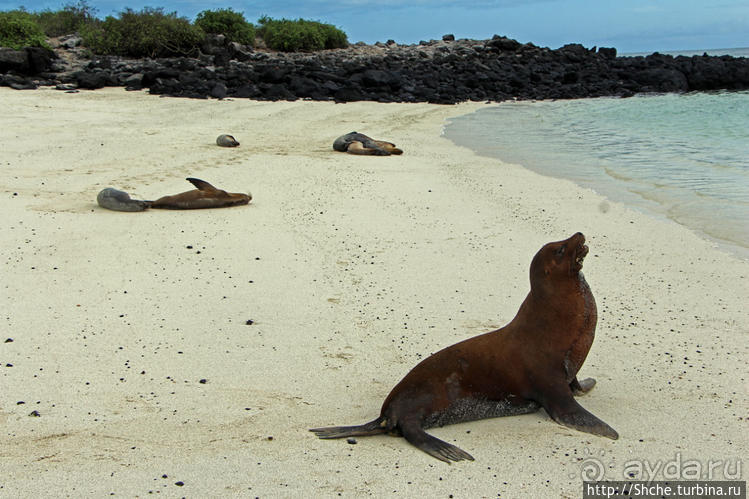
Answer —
(530, 363)
(204, 196)
(358, 143)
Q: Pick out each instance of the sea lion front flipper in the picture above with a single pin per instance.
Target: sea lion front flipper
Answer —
(357, 147)
(201, 185)
(416, 436)
(566, 411)
(581, 387)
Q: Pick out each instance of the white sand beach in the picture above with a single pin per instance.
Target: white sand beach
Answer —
(128, 333)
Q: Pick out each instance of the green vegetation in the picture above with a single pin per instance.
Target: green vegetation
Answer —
(300, 35)
(66, 21)
(228, 23)
(151, 32)
(18, 29)
(145, 33)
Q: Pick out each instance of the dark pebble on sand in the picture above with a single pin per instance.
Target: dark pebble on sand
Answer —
(34, 414)
(250, 322)
(9, 340)
(203, 381)
(20, 402)
(8, 365)
(351, 441)
(179, 484)
(189, 247)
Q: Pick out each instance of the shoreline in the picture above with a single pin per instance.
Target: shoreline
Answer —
(617, 184)
(351, 269)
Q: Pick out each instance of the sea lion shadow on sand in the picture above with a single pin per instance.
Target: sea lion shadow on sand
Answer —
(358, 143)
(530, 363)
(204, 196)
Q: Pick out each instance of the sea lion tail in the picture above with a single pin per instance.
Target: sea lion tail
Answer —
(375, 427)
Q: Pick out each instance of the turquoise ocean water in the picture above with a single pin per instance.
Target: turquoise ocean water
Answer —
(680, 156)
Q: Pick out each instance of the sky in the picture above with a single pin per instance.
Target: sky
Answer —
(628, 25)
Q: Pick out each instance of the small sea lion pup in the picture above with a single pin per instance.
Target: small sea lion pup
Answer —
(226, 141)
(204, 196)
(530, 363)
(358, 143)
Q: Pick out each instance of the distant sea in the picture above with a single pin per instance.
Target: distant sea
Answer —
(680, 156)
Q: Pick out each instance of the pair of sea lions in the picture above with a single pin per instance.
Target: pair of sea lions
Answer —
(353, 143)
(358, 143)
(203, 196)
(530, 363)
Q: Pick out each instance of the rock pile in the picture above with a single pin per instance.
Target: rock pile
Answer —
(440, 71)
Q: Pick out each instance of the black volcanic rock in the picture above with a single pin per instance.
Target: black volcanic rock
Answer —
(28, 61)
(441, 71)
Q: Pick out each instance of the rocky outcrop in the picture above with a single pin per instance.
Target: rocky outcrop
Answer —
(440, 71)
(16, 66)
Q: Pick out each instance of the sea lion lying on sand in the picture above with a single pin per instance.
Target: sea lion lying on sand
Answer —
(530, 363)
(358, 143)
(225, 140)
(204, 196)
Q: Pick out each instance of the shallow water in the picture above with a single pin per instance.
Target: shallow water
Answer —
(681, 156)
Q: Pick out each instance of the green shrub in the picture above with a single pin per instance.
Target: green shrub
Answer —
(18, 29)
(300, 35)
(65, 21)
(228, 23)
(146, 33)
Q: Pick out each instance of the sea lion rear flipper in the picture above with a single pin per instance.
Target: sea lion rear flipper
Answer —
(372, 428)
(201, 185)
(388, 146)
(569, 413)
(581, 387)
(416, 436)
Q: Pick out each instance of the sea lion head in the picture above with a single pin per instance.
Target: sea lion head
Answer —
(559, 260)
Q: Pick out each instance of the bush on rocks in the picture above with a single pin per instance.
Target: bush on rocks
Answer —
(228, 23)
(66, 21)
(300, 35)
(18, 29)
(146, 33)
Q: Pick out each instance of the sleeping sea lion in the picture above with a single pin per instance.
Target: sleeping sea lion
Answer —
(112, 199)
(225, 140)
(204, 196)
(530, 363)
(358, 143)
